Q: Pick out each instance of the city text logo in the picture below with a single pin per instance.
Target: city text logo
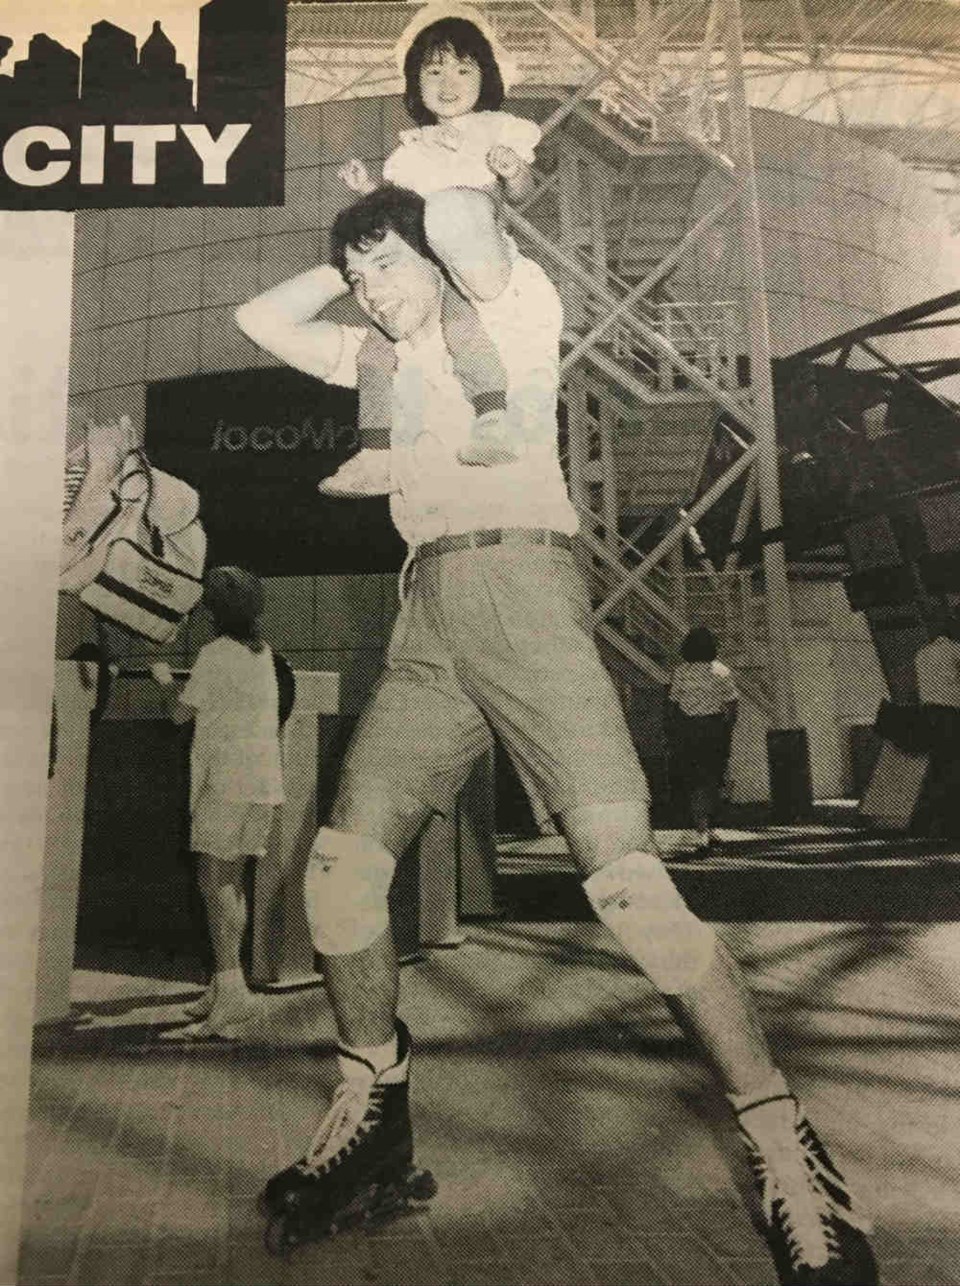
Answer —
(121, 125)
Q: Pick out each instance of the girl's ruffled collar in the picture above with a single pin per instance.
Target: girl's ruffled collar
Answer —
(450, 135)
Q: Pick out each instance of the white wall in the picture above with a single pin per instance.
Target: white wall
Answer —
(838, 684)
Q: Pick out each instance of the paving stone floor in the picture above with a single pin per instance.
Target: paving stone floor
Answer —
(574, 1138)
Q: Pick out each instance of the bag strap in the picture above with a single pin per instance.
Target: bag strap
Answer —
(107, 520)
(115, 492)
(286, 686)
(144, 466)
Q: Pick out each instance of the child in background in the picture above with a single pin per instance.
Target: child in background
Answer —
(464, 158)
(236, 780)
(701, 712)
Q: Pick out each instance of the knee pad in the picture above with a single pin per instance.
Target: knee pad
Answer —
(345, 889)
(637, 900)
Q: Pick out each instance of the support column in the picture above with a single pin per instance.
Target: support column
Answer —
(74, 690)
(608, 474)
(788, 752)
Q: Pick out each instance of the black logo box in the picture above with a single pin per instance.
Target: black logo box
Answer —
(116, 126)
(255, 444)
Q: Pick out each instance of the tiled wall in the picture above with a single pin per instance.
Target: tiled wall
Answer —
(850, 233)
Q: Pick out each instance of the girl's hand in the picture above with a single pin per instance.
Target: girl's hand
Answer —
(354, 175)
(504, 162)
(162, 673)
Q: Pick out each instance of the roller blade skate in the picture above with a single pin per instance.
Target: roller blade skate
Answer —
(815, 1234)
(358, 1168)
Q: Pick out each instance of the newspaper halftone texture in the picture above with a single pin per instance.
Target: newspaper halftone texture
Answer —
(605, 507)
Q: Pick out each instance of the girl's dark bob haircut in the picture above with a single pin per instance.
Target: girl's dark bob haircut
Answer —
(234, 598)
(699, 645)
(467, 41)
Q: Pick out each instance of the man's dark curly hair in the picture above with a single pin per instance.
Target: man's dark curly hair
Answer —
(467, 41)
(367, 221)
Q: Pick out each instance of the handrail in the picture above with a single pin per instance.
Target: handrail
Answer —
(692, 373)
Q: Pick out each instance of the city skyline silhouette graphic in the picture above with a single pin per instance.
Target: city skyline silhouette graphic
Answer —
(57, 96)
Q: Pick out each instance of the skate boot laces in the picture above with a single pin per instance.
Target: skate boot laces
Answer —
(802, 1194)
(793, 1204)
(357, 1106)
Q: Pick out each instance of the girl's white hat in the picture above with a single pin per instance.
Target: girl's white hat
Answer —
(431, 13)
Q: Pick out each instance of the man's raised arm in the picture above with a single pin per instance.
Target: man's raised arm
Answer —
(284, 321)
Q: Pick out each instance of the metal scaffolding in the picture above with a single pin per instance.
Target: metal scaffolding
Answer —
(640, 103)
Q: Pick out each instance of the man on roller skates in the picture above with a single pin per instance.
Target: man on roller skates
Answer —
(494, 631)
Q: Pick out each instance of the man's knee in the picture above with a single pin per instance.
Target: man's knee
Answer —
(378, 810)
(599, 834)
(636, 899)
(345, 888)
(351, 864)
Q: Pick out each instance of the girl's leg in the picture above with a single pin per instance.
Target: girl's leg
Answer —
(463, 230)
(477, 365)
(221, 885)
(700, 811)
(464, 233)
(376, 363)
(368, 472)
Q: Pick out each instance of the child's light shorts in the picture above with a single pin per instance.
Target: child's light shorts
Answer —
(229, 829)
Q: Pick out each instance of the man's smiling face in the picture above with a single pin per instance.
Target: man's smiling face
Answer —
(394, 285)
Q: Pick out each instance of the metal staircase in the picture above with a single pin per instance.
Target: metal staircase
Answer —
(647, 374)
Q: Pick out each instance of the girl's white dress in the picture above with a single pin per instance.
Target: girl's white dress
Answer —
(236, 778)
(453, 154)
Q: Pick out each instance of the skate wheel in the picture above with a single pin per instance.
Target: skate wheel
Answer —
(279, 1237)
(421, 1185)
(383, 1204)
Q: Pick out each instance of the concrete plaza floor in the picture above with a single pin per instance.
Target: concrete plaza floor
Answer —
(574, 1137)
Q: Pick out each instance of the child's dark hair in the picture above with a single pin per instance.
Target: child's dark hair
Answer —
(235, 600)
(467, 41)
(368, 221)
(699, 645)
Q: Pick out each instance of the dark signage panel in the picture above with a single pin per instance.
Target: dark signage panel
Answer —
(255, 444)
(119, 123)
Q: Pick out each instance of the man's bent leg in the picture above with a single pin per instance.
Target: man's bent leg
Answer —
(633, 894)
(812, 1227)
(346, 886)
(362, 1150)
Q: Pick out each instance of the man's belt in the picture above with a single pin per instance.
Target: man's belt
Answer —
(495, 536)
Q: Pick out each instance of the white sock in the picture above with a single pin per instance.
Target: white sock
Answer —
(775, 1087)
(380, 1057)
(230, 985)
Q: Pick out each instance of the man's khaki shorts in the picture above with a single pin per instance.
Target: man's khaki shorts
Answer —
(496, 637)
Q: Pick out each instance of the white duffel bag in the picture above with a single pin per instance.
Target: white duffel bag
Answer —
(134, 548)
